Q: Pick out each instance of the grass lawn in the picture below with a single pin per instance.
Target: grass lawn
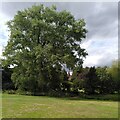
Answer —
(20, 106)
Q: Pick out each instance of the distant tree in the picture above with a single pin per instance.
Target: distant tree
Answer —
(114, 70)
(78, 79)
(41, 41)
(106, 83)
(91, 81)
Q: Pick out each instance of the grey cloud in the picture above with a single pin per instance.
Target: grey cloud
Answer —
(104, 22)
(100, 17)
(10, 8)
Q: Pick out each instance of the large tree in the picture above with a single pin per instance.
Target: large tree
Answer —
(42, 41)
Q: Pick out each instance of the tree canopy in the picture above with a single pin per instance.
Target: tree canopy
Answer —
(42, 41)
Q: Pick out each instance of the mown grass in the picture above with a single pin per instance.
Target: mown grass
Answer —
(20, 106)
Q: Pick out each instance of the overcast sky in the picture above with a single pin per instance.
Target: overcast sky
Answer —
(101, 20)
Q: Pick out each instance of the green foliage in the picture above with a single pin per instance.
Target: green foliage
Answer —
(65, 83)
(7, 83)
(9, 92)
(41, 41)
(91, 81)
(106, 83)
(78, 80)
(114, 70)
(110, 97)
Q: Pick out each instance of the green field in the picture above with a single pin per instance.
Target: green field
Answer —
(20, 106)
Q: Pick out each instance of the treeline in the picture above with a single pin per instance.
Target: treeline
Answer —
(89, 80)
(94, 81)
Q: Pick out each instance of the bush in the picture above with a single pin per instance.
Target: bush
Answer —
(9, 91)
(54, 93)
(113, 97)
(22, 92)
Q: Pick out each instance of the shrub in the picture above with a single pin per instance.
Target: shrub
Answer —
(10, 91)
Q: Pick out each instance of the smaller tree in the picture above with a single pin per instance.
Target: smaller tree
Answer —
(91, 81)
(106, 83)
(114, 70)
(78, 79)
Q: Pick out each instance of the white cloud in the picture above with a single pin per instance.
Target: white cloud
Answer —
(3, 31)
(92, 60)
(100, 52)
